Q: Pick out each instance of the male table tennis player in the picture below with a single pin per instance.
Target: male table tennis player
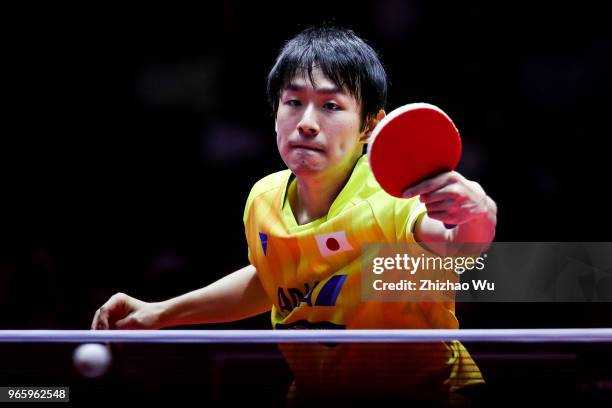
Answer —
(304, 226)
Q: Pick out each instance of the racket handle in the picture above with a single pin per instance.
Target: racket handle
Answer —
(450, 226)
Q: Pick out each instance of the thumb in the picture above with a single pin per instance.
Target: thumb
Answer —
(126, 323)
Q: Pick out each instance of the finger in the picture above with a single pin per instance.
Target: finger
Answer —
(449, 191)
(125, 324)
(429, 185)
(113, 308)
(94, 322)
(443, 216)
(438, 206)
(103, 314)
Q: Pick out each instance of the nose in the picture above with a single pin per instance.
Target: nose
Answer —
(308, 125)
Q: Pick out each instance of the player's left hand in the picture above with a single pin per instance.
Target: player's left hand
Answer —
(451, 198)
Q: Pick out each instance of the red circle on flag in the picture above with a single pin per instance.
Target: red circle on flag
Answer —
(332, 244)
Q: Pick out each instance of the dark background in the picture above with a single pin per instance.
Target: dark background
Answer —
(132, 137)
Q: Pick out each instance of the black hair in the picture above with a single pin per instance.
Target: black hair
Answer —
(342, 56)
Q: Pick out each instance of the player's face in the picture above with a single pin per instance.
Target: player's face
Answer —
(318, 126)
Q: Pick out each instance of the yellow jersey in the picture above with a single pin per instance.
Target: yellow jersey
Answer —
(312, 276)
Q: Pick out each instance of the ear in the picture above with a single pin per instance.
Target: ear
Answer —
(365, 137)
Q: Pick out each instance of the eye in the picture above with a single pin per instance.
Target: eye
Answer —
(293, 102)
(331, 106)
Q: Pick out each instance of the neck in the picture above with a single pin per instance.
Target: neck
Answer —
(315, 194)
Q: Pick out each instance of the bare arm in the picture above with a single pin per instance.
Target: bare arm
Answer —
(236, 296)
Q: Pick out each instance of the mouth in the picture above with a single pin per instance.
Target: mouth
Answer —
(307, 146)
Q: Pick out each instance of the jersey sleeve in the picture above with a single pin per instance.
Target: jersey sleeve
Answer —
(397, 217)
(406, 213)
(245, 219)
(267, 184)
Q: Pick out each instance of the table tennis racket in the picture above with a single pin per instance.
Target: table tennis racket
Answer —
(412, 143)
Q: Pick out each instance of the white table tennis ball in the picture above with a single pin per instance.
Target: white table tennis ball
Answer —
(92, 360)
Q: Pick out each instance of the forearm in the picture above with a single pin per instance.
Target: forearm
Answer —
(236, 296)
